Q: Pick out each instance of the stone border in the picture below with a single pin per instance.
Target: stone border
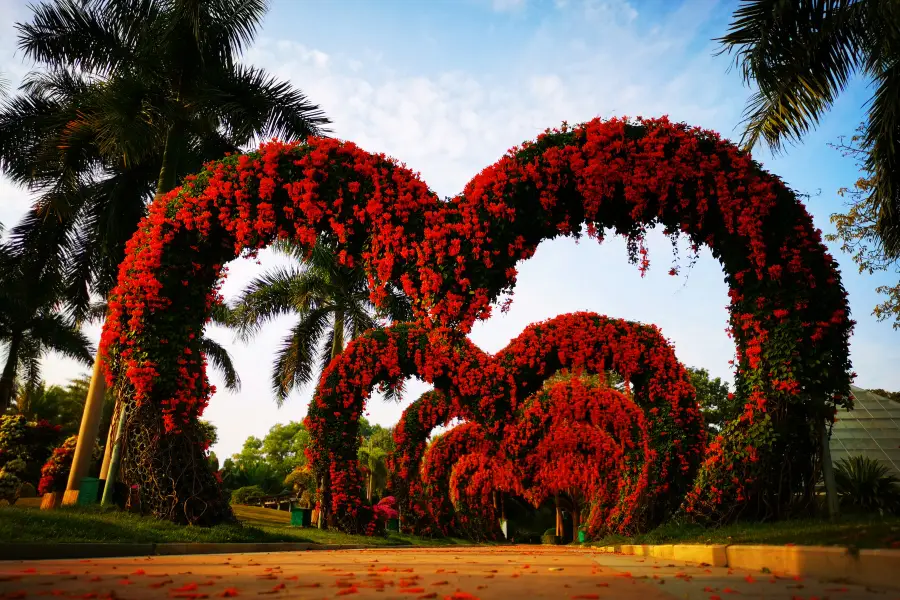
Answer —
(830, 563)
(53, 551)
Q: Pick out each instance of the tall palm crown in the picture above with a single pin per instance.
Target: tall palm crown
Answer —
(31, 324)
(333, 305)
(134, 94)
(801, 54)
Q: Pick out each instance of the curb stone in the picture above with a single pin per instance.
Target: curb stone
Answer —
(51, 551)
(830, 563)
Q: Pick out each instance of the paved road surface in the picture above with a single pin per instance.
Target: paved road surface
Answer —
(518, 572)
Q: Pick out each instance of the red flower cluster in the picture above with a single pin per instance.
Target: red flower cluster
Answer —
(789, 314)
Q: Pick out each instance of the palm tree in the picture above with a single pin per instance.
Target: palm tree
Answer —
(373, 461)
(135, 95)
(32, 324)
(332, 303)
(801, 54)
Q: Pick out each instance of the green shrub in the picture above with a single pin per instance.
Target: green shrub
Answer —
(551, 531)
(247, 494)
(867, 485)
(27, 491)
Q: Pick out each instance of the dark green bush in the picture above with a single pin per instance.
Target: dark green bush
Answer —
(247, 494)
(866, 485)
(27, 491)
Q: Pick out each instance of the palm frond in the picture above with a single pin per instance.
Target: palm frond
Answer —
(800, 55)
(74, 33)
(220, 359)
(294, 360)
(254, 106)
(55, 333)
(881, 135)
(266, 298)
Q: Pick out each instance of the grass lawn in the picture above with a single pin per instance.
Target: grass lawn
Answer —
(851, 531)
(91, 524)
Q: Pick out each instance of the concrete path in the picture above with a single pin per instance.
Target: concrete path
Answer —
(518, 572)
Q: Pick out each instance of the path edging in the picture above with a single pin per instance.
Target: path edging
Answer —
(51, 551)
(833, 563)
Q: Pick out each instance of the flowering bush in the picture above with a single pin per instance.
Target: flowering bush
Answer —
(55, 473)
(789, 314)
(29, 441)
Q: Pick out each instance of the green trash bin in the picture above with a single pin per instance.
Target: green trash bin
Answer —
(581, 535)
(89, 492)
(301, 517)
(393, 525)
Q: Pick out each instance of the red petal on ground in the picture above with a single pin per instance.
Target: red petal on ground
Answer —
(415, 590)
(95, 578)
(140, 572)
(429, 595)
(228, 593)
(749, 579)
(461, 596)
(160, 584)
(730, 591)
(29, 570)
(188, 587)
(347, 591)
(125, 582)
(715, 597)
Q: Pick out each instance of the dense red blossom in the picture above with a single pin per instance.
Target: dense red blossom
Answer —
(789, 314)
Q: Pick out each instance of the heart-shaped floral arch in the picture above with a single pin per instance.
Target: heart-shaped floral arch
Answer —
(789, 314)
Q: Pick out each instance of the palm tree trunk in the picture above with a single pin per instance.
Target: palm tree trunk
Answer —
(87, 433)
(8, 379)
(337, 346)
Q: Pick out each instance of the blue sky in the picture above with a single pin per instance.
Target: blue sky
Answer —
(447, 86)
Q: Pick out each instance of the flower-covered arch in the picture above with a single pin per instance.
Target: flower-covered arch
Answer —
(647, 440)
(490, 389)
(789, 315)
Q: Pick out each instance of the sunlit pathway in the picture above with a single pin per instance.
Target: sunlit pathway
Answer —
(519, 572)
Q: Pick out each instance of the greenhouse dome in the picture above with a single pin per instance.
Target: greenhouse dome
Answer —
(871, 429)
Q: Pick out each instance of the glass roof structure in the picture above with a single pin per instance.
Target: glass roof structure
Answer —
(871, 429)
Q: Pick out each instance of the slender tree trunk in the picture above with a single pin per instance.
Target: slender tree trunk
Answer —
(828, 473)
(8, 379)
(369, 487)
(87, 434)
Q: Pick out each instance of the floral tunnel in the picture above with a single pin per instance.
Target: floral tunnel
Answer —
(788, 311)
(629, 456)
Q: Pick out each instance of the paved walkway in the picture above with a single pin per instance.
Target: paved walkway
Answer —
(518, 572)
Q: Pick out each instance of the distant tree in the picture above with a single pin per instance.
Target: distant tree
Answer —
(717, 403)
(331, 302)
(895, 396)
